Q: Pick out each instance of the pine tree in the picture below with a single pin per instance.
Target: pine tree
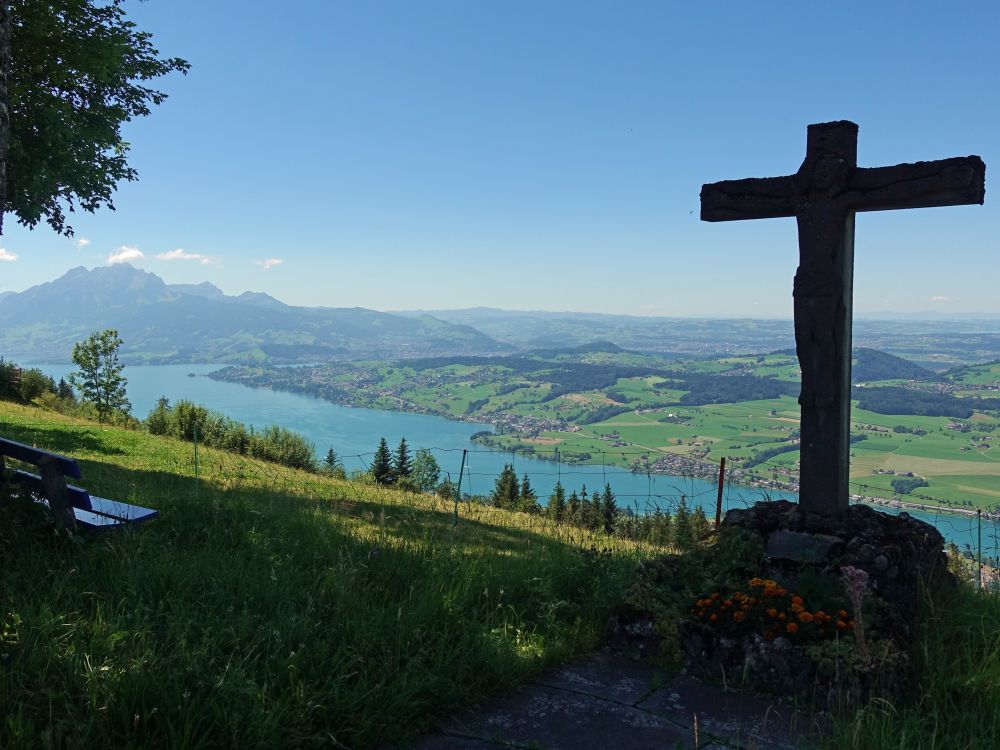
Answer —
(506, 491)
(333, 466)
(528, 501)
(683, 536)
(64, 390)
(557, 503)
(608, 510)
(401, 466)
(574, 508)
(699, 524)
(382, 464)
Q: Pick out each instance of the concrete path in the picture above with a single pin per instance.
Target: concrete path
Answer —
(604, 701)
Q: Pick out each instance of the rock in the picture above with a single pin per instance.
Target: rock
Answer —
(800, 547)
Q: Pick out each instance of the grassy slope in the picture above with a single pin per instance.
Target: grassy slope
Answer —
(272, 608)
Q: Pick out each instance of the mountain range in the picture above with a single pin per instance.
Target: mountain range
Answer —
(180, 323)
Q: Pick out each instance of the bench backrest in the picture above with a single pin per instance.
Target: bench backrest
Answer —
(68, 466)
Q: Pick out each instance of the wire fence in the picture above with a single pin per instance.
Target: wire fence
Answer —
(974, 531)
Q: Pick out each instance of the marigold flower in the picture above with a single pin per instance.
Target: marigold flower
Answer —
(796, 608)
(843, 614)
(797, 600)
(792, 627)
(714, 617)
(821, 614)
(738, 616)
(841, 625)
(781, 616)
(772, 612)
(805, 617)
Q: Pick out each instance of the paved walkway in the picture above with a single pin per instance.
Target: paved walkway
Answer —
(604, 701)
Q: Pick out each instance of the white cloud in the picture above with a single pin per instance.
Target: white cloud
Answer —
(6, 256)
(269, 263)
(939, 298)
(182, 254)
(81, 243)
(125, 254)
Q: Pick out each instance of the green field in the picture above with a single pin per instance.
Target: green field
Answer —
(546, 403)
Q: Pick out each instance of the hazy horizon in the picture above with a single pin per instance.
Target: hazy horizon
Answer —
(537, 157)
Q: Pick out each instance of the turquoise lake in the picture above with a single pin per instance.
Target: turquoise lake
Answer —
(355, 433)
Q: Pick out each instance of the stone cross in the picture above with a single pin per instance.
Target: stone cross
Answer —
(823, 196)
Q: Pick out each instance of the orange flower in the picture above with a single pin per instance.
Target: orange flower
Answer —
(792, 627)
(738, 616)
(797, 600)
(772, 612)
(821, 614)
(805, 617)
(843, 614)
(714, 617)
(781, 616)
(841, 625)
(796, 608)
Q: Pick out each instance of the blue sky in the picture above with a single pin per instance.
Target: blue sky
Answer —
(539, 155)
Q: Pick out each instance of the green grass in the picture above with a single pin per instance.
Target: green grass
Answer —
(956, 689)
(271, 608)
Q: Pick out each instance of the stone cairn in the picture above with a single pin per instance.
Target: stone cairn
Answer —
(897, 554)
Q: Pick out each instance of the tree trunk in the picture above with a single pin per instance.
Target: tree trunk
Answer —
(4, 104)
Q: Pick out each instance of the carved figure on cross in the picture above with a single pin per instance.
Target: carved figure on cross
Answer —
(823, 196)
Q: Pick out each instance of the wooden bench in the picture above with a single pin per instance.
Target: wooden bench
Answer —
(72, 506)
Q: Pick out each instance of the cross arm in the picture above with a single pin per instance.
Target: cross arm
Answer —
(926, 184)
(753, 198)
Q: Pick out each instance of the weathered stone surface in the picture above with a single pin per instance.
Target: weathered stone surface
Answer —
(604, 700)
(897, 551)
(823, 196)
(798, 546)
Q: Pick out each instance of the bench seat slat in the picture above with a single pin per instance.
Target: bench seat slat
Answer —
(78, 496)
(95, 521)
(68, 466)
(122, 511)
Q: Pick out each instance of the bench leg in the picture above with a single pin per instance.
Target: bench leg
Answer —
(55, 491)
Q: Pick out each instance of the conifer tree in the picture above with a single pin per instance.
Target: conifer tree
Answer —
(683, 536)
(609, 510)
(528, 500)
(382, 464)
(557, 503)
(573, 509)
(401, 466)
(506, 491)
(699, 524)
(333, 465)
(65, 391)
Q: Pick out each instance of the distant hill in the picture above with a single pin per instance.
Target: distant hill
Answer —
(162, 323)
(871, 364)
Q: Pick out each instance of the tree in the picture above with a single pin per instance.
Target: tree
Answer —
(447, 490)
(64, 390)
(333, 465)
(382, 464)
(609, 509)
(401, 466)
(699, 523)
(78, 70)
(426, 471)
(100, 380)
(573, 509)
(506, 491)
(528, 500)
(557, 503)
(683, 533)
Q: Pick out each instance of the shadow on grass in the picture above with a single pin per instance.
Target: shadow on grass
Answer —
(59, 438)
(244, 596)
